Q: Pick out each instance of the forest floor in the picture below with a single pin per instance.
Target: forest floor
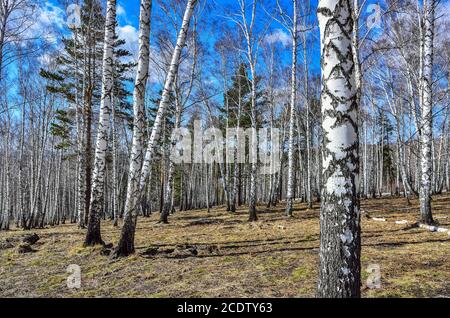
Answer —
(226, 256)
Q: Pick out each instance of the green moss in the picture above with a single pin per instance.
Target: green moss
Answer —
(414, 285)
(200, 270)
(300, 273)
(9, 259)
(227, 259)
(52, 284)
(79, 250)
(39, 261)
(387, 294)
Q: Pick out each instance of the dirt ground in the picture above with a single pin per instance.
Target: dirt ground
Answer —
(221, 255)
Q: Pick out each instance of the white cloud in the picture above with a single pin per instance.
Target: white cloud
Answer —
(51, 15)
(129, 33)
(131, 36)
(121, 12)
(47, 21)
(279, 36)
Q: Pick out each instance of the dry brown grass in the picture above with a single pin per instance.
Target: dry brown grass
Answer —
(274, 257)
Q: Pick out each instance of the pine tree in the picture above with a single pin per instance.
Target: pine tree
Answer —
(77, 79)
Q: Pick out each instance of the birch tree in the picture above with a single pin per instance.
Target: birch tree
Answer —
(427, 114)
(290, 184)
(93, 235)
(165, 97)
(246, 25)
(126, 242)
(339, 271)
(137, 179)
(309, 126)
(181, 97)
(5, 218)
(16, 17)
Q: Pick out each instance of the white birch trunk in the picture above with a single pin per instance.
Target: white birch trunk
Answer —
(167, 204)
(126, 242)
(308, 126)
(290, 181)
(248, 30)
(170, 78)
(339, 271)
(427, 110)
(115, 185)
(93, 235)
(80, 195)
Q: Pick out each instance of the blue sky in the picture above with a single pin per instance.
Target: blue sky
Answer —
(51, 21)
(212, 21)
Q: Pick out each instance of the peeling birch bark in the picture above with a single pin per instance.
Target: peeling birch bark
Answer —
(340, 242)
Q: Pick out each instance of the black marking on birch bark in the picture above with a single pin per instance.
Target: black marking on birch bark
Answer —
(339, 274)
